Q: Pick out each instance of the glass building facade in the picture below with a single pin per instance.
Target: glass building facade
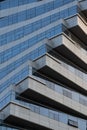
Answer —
(29, 31)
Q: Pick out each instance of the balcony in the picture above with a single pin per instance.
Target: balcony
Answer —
(53, 68)
(78, 26)
(68, 48)
(33, 89)
(20, 116)
(15, 114)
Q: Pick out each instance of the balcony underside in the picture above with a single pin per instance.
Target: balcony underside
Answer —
(12, 120)
(67, 48)
(78, 26)
(35, 92)
(79, 33)
(85, 12)
(83, 5)
(47, 65)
